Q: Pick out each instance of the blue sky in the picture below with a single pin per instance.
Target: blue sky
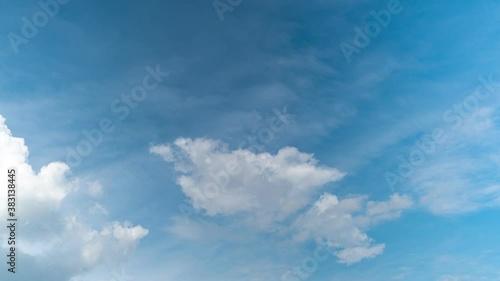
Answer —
(386, 160)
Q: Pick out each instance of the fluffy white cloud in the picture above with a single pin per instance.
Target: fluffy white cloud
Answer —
(342, 223)
(270, 191)
(226, 182)
(54, 241)
(356, 254)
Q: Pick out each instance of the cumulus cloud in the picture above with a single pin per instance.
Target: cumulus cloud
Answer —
(52, 238)
(220, 181)
(277, 191)
(342, 223)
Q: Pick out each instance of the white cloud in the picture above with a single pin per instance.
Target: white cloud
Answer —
(225, 182)
(356, 254)
(343, 224)
(88, 247)
(98, 209)
(378, 211)
(54, 241)
(270, 191)
(95, 189)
